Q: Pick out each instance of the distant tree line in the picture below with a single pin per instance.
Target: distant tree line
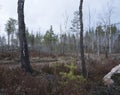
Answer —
(96, 40)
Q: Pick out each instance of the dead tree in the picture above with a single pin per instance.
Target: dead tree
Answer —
(25, 62)
(84, 70)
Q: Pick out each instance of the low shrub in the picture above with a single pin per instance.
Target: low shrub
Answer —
(15, 82)
(59, 79)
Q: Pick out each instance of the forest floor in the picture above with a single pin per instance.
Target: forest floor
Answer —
(52, 76)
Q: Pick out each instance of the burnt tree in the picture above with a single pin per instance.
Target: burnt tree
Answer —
(25, 62)
(84, 70)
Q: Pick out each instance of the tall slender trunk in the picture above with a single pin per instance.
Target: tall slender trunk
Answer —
(77, 46)
(93, 43)
(8, 41)
(110, 40)
(106, 49)
(84, 70)
(98, 44)
(25, 62)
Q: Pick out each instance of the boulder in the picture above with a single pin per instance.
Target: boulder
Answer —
(108, 78)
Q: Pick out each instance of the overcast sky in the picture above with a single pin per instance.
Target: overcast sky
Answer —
(40, 14)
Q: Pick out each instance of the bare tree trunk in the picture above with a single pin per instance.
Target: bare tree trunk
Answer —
(110, 11)
(98, 44)
(77, 46)
(84, 70)
(93, 43)
(110, 40)
(25, 62)
(8, 42)
(106, 49)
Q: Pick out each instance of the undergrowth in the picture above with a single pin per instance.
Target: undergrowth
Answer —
(59, 79)
(69, 76)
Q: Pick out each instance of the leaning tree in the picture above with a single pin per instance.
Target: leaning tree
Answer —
(25, 62)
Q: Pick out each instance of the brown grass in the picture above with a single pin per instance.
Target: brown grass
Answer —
(47, 81)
